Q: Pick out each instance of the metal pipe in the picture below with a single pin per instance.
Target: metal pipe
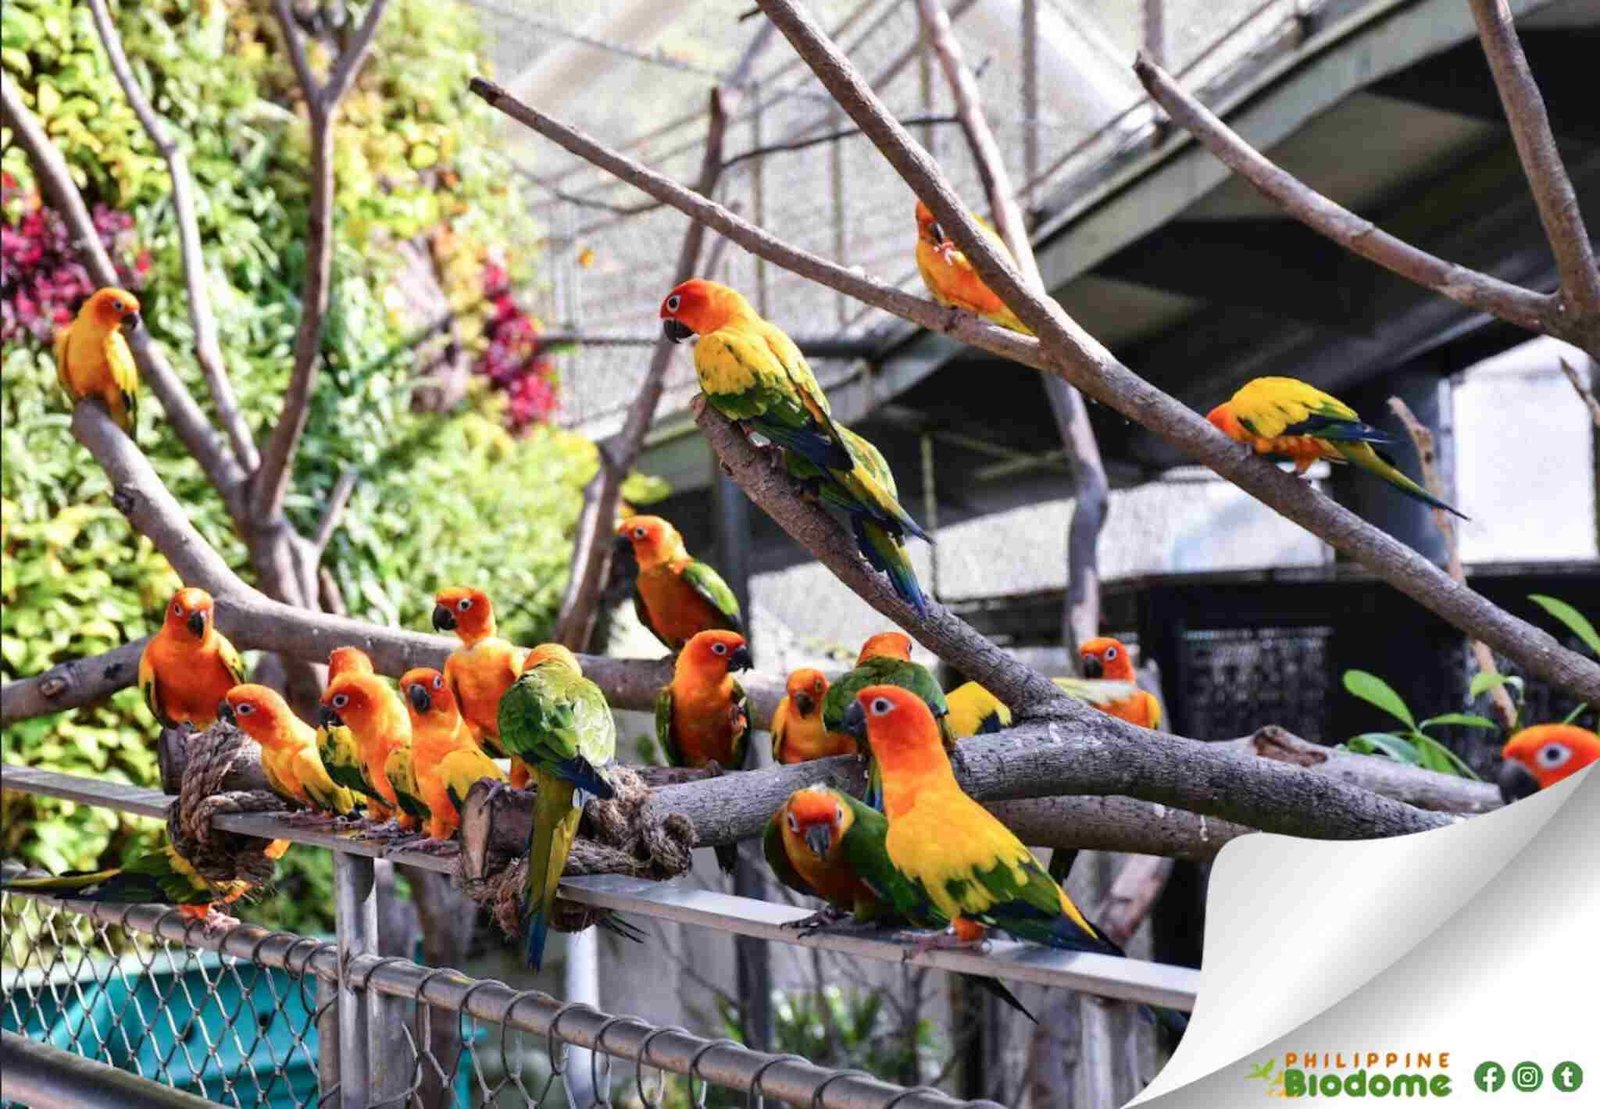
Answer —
(355, 915)
(44, 1077)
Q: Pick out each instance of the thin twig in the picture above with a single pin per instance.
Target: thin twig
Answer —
(1540, 312)
(1585, 393)
(207, 350)
(333, 512)
(1428, 462)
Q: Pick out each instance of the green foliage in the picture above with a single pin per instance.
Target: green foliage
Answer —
(846, 1029)
(1412, 744)
(1574, 621)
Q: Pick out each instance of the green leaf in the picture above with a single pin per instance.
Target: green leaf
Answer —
(1377, 692)
(1385, 744)
(1577, 623)
(1482, 683)
(1462, 719)
(1436, 756)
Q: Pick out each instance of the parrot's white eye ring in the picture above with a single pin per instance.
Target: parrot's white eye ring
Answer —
(719, 648)
(881, 706)
(438, 681)
(245, 709)
(639, 533)
(794, 824)
(340, 700)
(177, 609)
(673, 302)
(464, 604)
(1111, 653)
(1553, 755)
(838, 813)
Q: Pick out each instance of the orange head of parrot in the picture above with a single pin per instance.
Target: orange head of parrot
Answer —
(1104, 657)
(1222, 418)
(190, 614)
(886, 645)
(698, 306)
(546, 654)
(654, 540)
(817, 819)
(348, 660)
(467, 612)
(258, 712)
(806, 689)
(716, 652)
(356, 701)
(900, 729)
(111, 308)
(1538, 757)
(426, 693)
(931, 231)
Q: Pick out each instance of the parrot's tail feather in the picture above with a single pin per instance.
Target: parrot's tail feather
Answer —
(1061, 860)
(1173, 1021)
(592, 779)
(887, 553)
(95, 885)
(727, 857)
(534, 934)
(996, 988)
(555, 823)
(1362, 455)
(614, 924)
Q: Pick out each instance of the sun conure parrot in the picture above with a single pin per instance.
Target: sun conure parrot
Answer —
(93, 359)
(188, 666)
(1538, 757)
(675, 595)
(337, 745)
(481, 669)
(975, 711)
(752, 373)
(160, 877)
(556, 721)
(446, 759)
(1295, 422)
(798, 734)
(702, 715)
(376, 716)
(1104, 658)
(950, 277)
(973, 869)
(885, 658)
(289, 756)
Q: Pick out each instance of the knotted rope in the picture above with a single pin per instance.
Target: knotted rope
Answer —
(619, 836)
(219, 856)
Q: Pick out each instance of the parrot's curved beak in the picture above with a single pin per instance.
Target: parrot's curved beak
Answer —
(804, 703)
(740, 659)
(328, 718)
(419, 698)
(131, 322)
(818, 840)
(675, 330)
(443, 619)
(196, 623)
(1516, 782)
(225, 714)
(855, 723)
(1093, 667)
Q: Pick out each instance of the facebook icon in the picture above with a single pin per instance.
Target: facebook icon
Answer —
(1489, 1077)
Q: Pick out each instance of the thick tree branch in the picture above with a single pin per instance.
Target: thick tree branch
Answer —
(1538, 312)
(188, 422)
(71, 684)
(208, 352)
(1541, 163)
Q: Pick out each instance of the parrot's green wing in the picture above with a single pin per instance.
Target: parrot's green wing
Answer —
(865, 849)
(745, 377)
(778, 858)
(1025, 901)
(125, 373)
(669, 745)
(709, 585)
(402, 774)
(910, 676)
(230, 658)
(336, 744)
(1272, 406)
(553, 717)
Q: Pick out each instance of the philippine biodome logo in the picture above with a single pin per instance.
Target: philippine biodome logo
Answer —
(1332, 1074)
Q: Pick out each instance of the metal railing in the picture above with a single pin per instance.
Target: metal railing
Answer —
(245, 1016)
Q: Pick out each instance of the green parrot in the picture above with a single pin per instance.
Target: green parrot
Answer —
(885, 659)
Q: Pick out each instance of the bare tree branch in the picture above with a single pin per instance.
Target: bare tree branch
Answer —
(333, 512)
(1538, 312)
(1585, 393)
(1092, 496)
(351, 56)
(1541, 163)
(188, 422)
(1428, 461)
(1138, 884)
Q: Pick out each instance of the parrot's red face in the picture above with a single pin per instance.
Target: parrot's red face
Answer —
(114, 308)
(652, 537)
(930, 231)
(816, 819)
(886, 645)
(467, 612)
(806, 689)
(898, 726)
(350, 700)
(698, 306)
(426, 693)
(348, 660)
(190, 613)
(1105, 657)
(1538, 757)
(1223, 419)
(257, 711)
(717, 652)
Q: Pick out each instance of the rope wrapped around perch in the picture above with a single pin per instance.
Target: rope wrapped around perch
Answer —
(212, 758)
(618, 836)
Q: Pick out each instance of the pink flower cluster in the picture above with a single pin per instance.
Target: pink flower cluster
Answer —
(42, 282)
(515, 360)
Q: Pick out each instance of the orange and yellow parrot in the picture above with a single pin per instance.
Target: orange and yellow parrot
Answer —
(93, 359)
(1538, 757)
(975, 711)
(702, 715)
(675, 596)
(337, 745)
(446, 759)
(480, 670)
(752, 373)
(1295, 422)
(950, 277)
(969, 866)
(188, 666)
(798, 733)
(1106, 658)
(377, 720)
(289, 756)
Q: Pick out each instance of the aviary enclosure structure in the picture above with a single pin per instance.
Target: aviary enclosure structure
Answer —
(246, 1015)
